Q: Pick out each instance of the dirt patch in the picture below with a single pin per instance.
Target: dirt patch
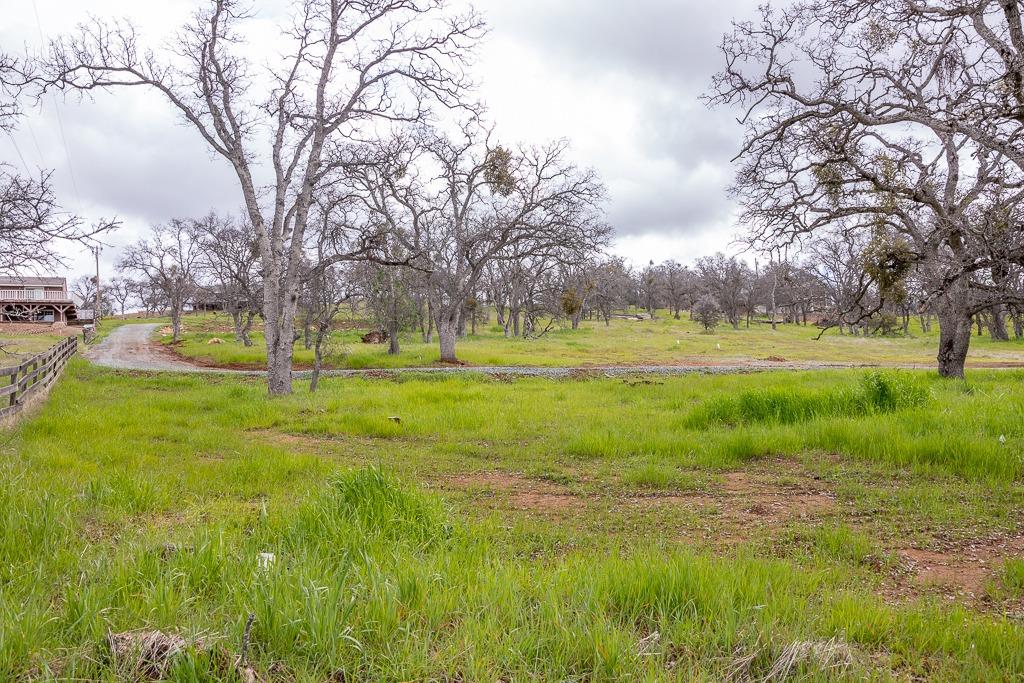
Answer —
(749, 499)
(32, 329)
(956, 571)
(521, 493)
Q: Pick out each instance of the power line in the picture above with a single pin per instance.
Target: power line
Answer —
(35, 142)
(21, 156)
(56, 110)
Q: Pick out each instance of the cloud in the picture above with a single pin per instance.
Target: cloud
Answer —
(621, 80)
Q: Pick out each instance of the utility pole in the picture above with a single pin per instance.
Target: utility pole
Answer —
(96, 309)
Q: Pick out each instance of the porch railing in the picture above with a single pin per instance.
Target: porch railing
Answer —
(32, 295)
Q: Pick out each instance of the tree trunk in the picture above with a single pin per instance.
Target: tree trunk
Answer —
(279, 317)
(447, 334)
(428, 338)
(997, 324)
(393, 346)
(249, 317)
(236, 321)
(954, 337)
(318, 362)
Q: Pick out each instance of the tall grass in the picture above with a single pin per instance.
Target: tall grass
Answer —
(156, 517)
(875, 393)
(349, 606)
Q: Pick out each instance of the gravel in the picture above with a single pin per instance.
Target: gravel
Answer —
(129, 348)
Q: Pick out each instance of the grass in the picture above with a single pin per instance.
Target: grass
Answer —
(624, 342)
(17, 348)
(876, 394)
(533, 529)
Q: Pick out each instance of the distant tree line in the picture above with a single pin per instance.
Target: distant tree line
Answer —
(880, 176)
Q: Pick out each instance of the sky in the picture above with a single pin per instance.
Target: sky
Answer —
(620, 80)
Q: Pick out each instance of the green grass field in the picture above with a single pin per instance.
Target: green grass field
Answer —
(625, 342)
(17, 348)
(827, 525)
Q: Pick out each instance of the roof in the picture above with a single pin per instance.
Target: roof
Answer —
(16, 281)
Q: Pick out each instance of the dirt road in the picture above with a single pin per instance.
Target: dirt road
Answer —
(129, 347)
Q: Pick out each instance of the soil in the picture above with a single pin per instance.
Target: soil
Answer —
(745, 500)
(522, 492)
(958, 570)
(32, 329)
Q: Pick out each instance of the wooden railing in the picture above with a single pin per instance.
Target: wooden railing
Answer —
(20, 382)
(32, 295)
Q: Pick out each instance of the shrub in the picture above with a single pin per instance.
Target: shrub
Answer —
(373, 505)
(889, 391)
(707, 313)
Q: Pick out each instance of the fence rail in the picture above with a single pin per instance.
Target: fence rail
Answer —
(20, 382)
(30, 296)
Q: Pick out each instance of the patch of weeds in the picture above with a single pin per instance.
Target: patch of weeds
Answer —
(833, 543)
(841, 544)
(371, 504)
(662, 477)
(876, 392)
(1010, 584)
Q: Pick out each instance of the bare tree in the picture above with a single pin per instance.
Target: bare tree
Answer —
(12, 78)
(679, 286)
(612, 280)
(120, 291)
(327, 290)
(650, 285)
(901, 124)
(32, 222)
(385, 292)
(84, 290)
(346, 66)
(577, 285)
(456, 204)
(230, 263)
(726, 279)
(151, 298)
(168, 261)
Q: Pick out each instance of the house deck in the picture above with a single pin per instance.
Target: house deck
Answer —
(36, 299)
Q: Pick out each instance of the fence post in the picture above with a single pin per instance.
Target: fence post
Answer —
(37, 373)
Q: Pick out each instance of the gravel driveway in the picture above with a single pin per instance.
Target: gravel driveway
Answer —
(129, 347)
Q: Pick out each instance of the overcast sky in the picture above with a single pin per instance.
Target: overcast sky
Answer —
(620, 79)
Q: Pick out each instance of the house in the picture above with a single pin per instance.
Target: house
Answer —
(36, 299)
(208, 299)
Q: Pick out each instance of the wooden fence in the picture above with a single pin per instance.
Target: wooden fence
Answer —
(19, 383)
